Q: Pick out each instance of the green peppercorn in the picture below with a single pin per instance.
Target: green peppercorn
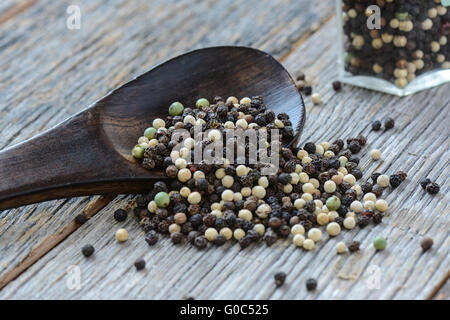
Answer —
(380, 243)
(202, 103)
(162, 199)
(138, 152)
(150, 133)
(333, 203)
(176, 109)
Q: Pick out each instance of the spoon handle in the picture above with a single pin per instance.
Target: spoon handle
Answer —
(67, 161)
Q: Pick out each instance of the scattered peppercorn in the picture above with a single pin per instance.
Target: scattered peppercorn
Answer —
(316, 185)
(121, 235)
(389, 123)
(424, 183)
(120, 215)
(139, 264)
(81, 218)
(354, 246)
(307, 90)
(311, 284)
(280, 278)
(426, 243)
(379, 243)
(87, 250)
(337, 85)
(432, 188)
(395, 180)
(376, 125)
(151, 238)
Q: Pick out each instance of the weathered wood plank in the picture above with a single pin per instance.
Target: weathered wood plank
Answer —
(49, 73)
(419, 145)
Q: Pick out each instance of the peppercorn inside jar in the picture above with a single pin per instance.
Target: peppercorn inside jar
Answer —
(394, 46)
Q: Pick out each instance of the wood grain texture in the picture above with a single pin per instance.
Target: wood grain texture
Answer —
(419, 144)
(49, 73)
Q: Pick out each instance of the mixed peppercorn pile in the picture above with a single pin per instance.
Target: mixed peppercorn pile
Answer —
(316, 185)
(413, 38)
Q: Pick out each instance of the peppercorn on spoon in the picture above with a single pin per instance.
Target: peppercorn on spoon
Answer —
(89, 153)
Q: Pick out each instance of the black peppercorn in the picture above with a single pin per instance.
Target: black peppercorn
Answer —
(220, 240)
(389, 123)
(176, 237)
(337, 85)
(310, 205)
(310, 147)
(354, 147)
(424, 183)
(377, 217)
(270, 237)
(366, 187)
(311, 284)
(284, 178)
(307, 90)
(245, 241)
(284, 231)
(192, 235)
(340, 221)
(357, 173)
(120, 215)
(377, 190)
(354, 246)
(363, 221)
(432, 188)
(280, 278)
(139, 264)
(81, 218)
(87, 250)
(395, 180)
(342, 211)
(200, 242)
(274, 223)
(376, 125)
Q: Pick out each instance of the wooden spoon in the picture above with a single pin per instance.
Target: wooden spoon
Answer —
(89, 153)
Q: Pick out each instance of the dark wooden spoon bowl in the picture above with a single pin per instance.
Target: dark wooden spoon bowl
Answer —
(89, 153)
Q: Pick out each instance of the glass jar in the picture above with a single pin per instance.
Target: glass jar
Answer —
(394, 46)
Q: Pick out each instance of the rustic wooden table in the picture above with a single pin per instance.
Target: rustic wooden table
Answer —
(49, 72)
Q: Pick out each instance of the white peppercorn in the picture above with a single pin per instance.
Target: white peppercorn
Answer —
(375, 154)
(315, 234)
(356, 206)
(341, 247)
(211, 234)
(238, 234)
(297, 229)
(194, 198)
(298, 240)
(349, 223)
(308, 244)
(381, 205)
(329, 186)
(333, 229)
(383, 180)
(259, 227)
(121, 235)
